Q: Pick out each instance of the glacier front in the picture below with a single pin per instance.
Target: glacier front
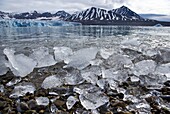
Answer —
(34, 23)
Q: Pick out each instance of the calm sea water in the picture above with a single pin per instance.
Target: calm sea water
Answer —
(78, 37)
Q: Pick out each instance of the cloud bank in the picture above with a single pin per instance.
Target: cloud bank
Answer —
(139, 6)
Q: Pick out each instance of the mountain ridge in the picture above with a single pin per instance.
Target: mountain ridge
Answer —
(91, 16)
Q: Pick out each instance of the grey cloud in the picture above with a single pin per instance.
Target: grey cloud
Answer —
(74, 5)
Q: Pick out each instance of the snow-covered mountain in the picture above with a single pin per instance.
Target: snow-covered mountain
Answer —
(35, 15)
(3, 15)
(123, 13)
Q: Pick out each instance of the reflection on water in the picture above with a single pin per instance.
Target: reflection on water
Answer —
(76, 31)
(81, 36)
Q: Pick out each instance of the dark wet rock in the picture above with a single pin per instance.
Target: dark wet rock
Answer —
(30, 112)
(167, 83)
(165, 91)
(22, 107)
(165, 97)
(59, 102)
(32, 104)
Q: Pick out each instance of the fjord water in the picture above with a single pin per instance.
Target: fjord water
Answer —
(86, 64)
(78, 37)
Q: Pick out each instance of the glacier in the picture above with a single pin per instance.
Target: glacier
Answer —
(34, 23)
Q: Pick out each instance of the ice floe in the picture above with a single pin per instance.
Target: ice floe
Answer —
(19, 64)
(22, 89)
(42, 56)
(81, 58)
(52, 82)
(44, 101)
(61, 53)
(70, 102)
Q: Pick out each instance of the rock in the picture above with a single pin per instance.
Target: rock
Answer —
(44, 101)
(70, 102)
(21, 89)
(22, 107)
(32, 104)
(59, 102)
(52, 82)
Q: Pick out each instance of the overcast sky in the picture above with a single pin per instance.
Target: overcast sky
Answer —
(139, 6)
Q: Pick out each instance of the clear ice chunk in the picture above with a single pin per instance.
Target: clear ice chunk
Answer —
(105, 83)
(93, 100)
(165, 54)
(153, 79)
(22, 88)
(164, 69)
(90, 74)
(1, 88)
(134, 78)
(119, 75)
(91, 96)
(3, 68)
(52, 82)
(105, 53)
(118, 62)
(81, 58)
(14, 81)
(85, 88)
(19, 64)
(144, 67)
(53, 109)
(70, 102)
(44, 101)
(74, 77)
(42, 56)
(131, 43)
(61, 53)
